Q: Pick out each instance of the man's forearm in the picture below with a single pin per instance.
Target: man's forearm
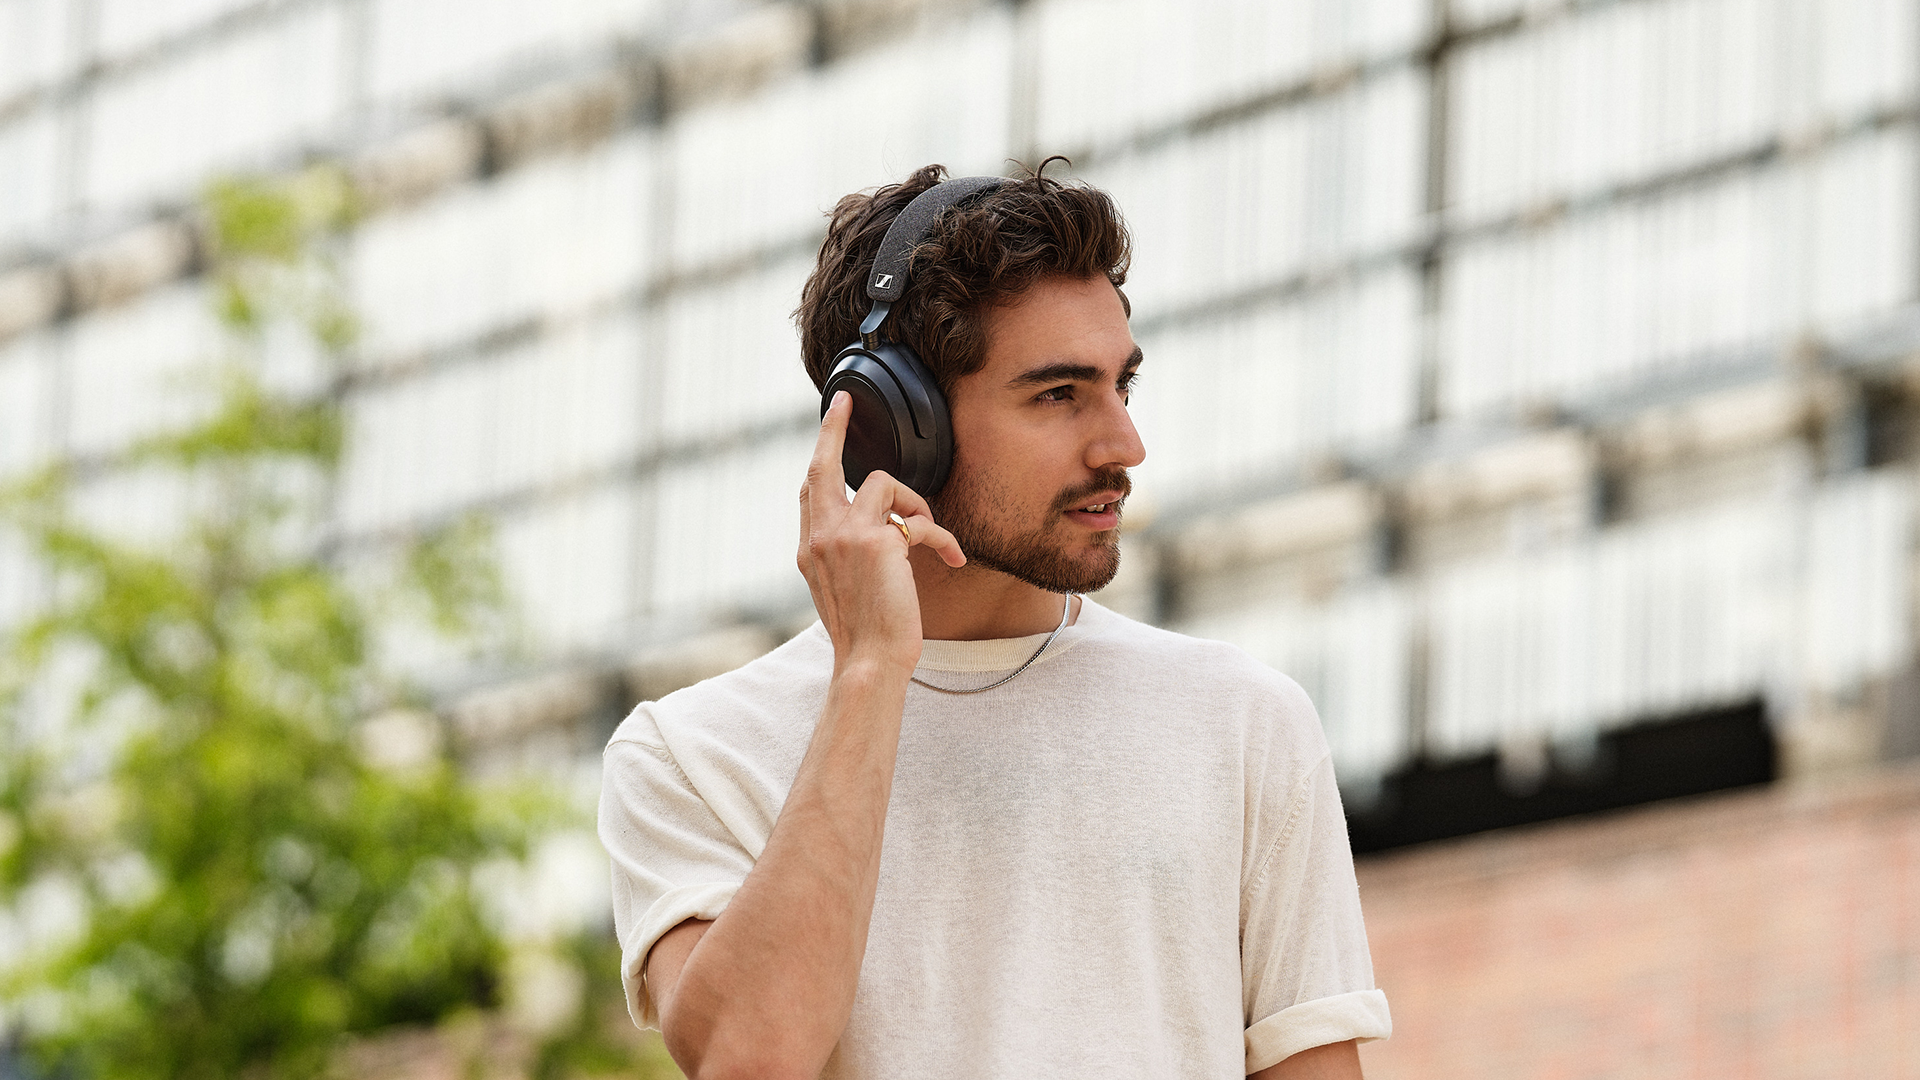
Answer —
(768, 988)
(1335, 1061)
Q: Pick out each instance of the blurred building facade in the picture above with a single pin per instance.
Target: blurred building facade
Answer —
(1772, 932)
(1518, 371)
(1535, 380)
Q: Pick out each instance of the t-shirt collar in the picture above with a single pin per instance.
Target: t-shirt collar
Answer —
(1000, 654)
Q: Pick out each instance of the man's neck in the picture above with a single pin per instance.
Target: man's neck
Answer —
(976, 604)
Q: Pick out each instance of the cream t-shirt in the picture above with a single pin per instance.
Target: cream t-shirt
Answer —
(1130, 861)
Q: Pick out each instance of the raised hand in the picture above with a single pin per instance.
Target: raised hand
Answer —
(855, 558)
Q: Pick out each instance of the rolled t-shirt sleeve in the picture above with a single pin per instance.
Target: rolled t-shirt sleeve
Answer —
(1307, 975)
(672, 858)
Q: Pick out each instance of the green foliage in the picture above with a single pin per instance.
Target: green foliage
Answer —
(266, 256)
(246, 882)
(460, 587)
(600, 1040)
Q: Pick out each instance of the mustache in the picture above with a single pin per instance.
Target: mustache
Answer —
(1112, 478)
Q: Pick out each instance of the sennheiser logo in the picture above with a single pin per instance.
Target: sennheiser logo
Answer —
(882, 281)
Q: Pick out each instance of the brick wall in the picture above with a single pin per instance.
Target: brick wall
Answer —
(1772, 933)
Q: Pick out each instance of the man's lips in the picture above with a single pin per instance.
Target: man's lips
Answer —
(1100, 511)
(1098, 502)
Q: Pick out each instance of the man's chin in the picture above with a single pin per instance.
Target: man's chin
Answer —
(1058, 571)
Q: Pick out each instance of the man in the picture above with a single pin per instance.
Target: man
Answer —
(1126, 858)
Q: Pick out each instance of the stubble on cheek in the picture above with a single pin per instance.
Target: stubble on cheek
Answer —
(987, 521)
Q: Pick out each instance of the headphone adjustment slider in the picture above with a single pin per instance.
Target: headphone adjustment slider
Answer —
(870, 326)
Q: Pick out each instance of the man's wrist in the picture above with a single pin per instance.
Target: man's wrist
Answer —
(875, 671)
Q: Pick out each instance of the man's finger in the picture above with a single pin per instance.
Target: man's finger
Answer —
(825, 476)
(882, 494)
(908, 503)
(806, 513)
(925, 532)
(879, 493)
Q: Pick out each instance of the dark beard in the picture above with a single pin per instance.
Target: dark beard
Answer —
(1033, 556)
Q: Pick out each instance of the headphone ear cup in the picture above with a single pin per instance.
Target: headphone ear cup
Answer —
(900, 423)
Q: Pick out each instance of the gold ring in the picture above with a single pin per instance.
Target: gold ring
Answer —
(901, 524)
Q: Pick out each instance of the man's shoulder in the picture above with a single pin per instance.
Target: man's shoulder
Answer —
(1209, 694)
(765, 691)
(1197, 669)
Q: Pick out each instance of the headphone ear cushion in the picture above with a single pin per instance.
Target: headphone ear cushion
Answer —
(900, 423)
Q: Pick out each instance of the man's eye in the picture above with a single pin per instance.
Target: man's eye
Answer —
(1058, 393)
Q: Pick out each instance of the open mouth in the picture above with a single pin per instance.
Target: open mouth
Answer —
(1098, 516)
(1103, 499)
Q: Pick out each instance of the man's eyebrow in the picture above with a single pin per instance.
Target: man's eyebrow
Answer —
(1064, 371)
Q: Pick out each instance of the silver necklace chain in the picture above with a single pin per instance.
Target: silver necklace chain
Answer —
(1065, 610)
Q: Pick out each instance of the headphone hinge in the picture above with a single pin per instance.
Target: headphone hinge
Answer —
(870, 326)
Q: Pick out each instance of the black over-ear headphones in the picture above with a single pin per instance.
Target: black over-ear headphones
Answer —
(900, 423)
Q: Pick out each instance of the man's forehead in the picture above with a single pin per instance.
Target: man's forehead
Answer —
(1062, 328)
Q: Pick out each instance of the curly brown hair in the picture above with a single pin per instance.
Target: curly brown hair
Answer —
(980, 254)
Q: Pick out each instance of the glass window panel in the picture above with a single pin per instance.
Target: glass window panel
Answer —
(732, 354)
(569, 405)
(1651, 618)
(1866, 54)
(374, 438)
(29, 175)
(1499, 146)
(139, 369)
(126, 26)
(1609, 96)
(1230, 401)
(1504, 652)
(1599, 300)
(21, 581)
(36, 43)
(725, 529)
(459, 416)
(238, 103)
(422, 48)
(1856, 592)
(1107, 71)
(1300, 188)
(292, 360)
(420, 447)
(1862, 225)
(1686, 611)
(554, 237)
(1618, 92)
(26, 403)
(556, 410)
(1465, 13)
(568, 568)
(765, 171)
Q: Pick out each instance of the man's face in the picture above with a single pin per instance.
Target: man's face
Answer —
(1043, 440)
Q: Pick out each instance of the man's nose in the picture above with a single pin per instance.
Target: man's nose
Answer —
(1118, 440)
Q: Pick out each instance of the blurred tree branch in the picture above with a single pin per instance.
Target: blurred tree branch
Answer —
(205, 869)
